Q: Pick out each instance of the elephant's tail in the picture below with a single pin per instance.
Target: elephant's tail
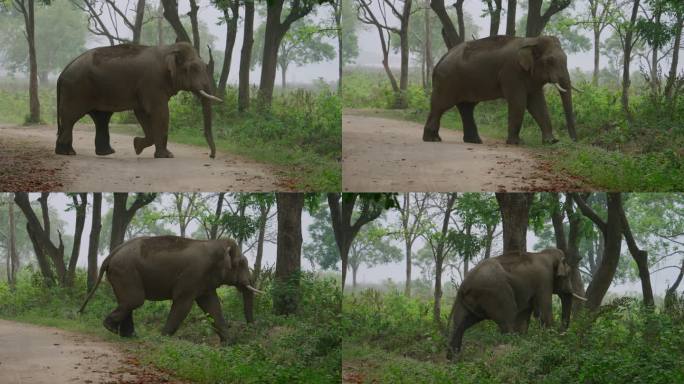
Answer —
(103, 269)
(59, 121)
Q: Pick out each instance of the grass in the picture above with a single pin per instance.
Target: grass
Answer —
(393, 339)
(303, 348)
(300, 133)
(610, 154)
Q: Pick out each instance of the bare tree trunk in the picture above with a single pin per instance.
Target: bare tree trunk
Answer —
(78, 234)
(246, 56)
(171, 15)
(428, 48)
(264, 209)
(536, 20)
(139, 18)
(641, 258)
(626, 62)
(439, 261)
(122, 216)
(27, 8)
(671, 292)
(231, 15)
(597, 56)
(515, 209)
(94, 241)
(449, 34)
(672, 75)
(337, 6)
(510, 17)
(404, 53)
(213, 232)
(289, 250)
(494, 16)
(12, 257)
(195, 25)
(283, 76)
(355, 269)
(160, 25)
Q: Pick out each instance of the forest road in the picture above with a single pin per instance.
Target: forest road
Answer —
(28, 163)
(31, 354)
(381, 154)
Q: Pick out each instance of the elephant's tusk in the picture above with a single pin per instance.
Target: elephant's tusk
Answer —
(255, 290)
(578, 297)
(208, 96)
(575, 89)
(559, 87)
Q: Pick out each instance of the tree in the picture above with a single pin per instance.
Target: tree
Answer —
(367, 15)
(347, 41)
(277, 26)
(322, 250)
(600, 15)
(94, 241)
(12, 256)
(678, 11)
(122, 214)
(628, 43)
(510, 17)
(450, 36)
(303, 43)
(99, 26)
(185, 209)
(536, 20)
(27, 9)
(231, 14)
(289, 252)
(515, 209)
(440, 243)
(246, 56)
(55, 28)
(371, 247)
(413, 223)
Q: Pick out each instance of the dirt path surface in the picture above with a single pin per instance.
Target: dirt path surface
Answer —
(31, 354)
(28, 162)
(381, 154)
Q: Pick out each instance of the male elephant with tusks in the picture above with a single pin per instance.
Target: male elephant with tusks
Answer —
(183, 270)
(124, 77)
(513, 68)
(508, 289)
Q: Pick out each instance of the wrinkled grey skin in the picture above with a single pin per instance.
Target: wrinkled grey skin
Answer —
(174, 268)
(508, 288)
(124, 77)
(512, 68)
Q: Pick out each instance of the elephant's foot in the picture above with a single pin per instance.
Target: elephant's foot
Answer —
(140, 143)
(104, 151)
(431, 136)
(473, 140)
(163, 153)
(130, 334)
(550, 140)
(513, 141)
(111, 325)
(64, 149)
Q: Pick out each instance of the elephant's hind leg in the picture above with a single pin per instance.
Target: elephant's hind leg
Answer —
(431, 129)
(127, 328)
(64, 145)
(462, 321)
(179, 311)
(470, 134)
(102, 142)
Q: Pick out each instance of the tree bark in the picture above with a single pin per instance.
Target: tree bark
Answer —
(78, 234)
(515, 209)
(289, 250)
(428, 48)
(12, 257)
(640, 257)
(449, 34)
(94, 241)
(672, 75)
(626, 62)
(494, 16)
(264, 210)
(27, 9)
(439, 261)
(510, 17)
(139, 18)
(171, 15)
(536, 20)
(194, 25)
(213, 231)
(246, 56)
(122, 216)
(231, 16)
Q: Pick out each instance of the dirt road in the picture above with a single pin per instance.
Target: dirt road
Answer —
(28, 162)
(381, 154)
(32, 354)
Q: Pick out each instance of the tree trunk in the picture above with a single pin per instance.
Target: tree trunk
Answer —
(78, 234)
(171, 15)
(671, 292)
(94, 241)
(626, 62)
(355, 269)
(283, 76)
(12, 257)
(404, 52)
(213, 232)
(672, 75)
(160, 25)
(263, 218)
(27, 9)
(510, 17)
(449, 34)
(139, 18)
(597, 56)
(494, 16)
(340, 43)
(195, 25)
(641, 258)
(439, 261)
(428, 48)
(231, 33)
(122, 216)
(515, 209)
(272, 37)
(246, 56)
(289, 250)
(409, 262)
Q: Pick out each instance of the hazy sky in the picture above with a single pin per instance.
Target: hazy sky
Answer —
(394, 271)
(371, 54)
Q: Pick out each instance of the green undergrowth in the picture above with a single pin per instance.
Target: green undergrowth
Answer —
(300, 133)
(303, 348)
(611, 154)
(393, 339)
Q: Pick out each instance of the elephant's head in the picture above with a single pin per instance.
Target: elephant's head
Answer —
(562, 284)
(543, 58)
(236, 272)
(189, 73)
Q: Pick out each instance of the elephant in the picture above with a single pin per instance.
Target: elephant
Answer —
(176, 268)
(513, 68)
(508, 289)
(130, 76)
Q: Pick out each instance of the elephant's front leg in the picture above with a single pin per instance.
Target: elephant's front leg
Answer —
(211, 305)
(546, 310)
(179, 311)
(145, 120)
(517, 101)
(536, 105)
(103, 145)
(160, 130)
(470, 135)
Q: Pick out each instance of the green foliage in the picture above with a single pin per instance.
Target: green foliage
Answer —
(303, 348)
(393, 339)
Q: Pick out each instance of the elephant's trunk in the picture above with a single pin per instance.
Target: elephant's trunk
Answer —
(208, 134)
(566, 305)
(248, 302)
(566, 98)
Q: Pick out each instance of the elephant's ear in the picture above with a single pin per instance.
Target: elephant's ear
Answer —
(172, 65)
(563, 269)
(232, 256)
(526, 58)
